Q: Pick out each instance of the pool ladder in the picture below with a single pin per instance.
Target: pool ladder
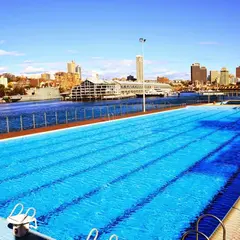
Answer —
(196, 230)
(110, 115)
(94, 230)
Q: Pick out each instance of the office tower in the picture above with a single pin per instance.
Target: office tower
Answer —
(139, 65)
(214, 76)
(195, 73)
(203, 75)
(79, 71)
(238, 72)
(232, 79)
(46, 76)
(224, 76)
(71, 67)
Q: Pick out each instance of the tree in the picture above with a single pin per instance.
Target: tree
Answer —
(9, 76)
(2, 90)
(10, 85)
(17, 90)
(61, 89)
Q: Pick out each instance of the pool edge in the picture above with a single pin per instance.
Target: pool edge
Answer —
(63, 127)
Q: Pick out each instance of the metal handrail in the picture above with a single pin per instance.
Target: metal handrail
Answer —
(213, 216)
(14, 209)
(91, 232)
(113, 236)
(193, 231)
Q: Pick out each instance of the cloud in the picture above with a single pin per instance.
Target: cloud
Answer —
(96, 57)
(208, 43)
(13, 53)
(2, 41)
(107, 68)
(28, 61)
(3, 69)
(110, 68)
(177, 75)
(153, 73)
(44, 64)
(32, 70)
(72, 51)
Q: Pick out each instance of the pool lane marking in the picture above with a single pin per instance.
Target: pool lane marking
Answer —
(61, 208)
(90, 168)
(29, 172)
(146, 200)
(59, 140)
(211, 205)
(90, 130)
(83, 144)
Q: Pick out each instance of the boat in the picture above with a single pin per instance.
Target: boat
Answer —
(10, 99)
(152, 93)
(15, 98)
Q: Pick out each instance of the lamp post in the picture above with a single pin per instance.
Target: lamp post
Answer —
(142, 41)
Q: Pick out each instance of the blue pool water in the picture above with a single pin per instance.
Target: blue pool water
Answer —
(141, 178)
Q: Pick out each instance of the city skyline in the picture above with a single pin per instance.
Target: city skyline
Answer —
(42, 37)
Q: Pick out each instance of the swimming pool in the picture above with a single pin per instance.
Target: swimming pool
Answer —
(142, 178)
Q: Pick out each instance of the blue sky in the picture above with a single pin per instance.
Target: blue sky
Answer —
(102, 36)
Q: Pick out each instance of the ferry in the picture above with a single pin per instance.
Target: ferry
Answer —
(152, 93)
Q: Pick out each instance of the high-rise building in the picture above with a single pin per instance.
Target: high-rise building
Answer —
(139, 65)
(46, 76)
(195, 73)
(203, 75)
(238, 72)
(224, 76)
(79, 71)
(198, 74)
(71, 67)
(214, 76)
(232, 79)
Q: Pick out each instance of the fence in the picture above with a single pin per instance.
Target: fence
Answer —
(50, 118)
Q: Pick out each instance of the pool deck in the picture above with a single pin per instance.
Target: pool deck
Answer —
(81, 123)
(232, 224)
(6, 233)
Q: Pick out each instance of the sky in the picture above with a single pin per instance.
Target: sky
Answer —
(103, 36)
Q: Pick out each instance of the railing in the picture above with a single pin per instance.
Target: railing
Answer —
(196, 230)
(14, 123)
(94, 235)
(193, 231)
(212, 216)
